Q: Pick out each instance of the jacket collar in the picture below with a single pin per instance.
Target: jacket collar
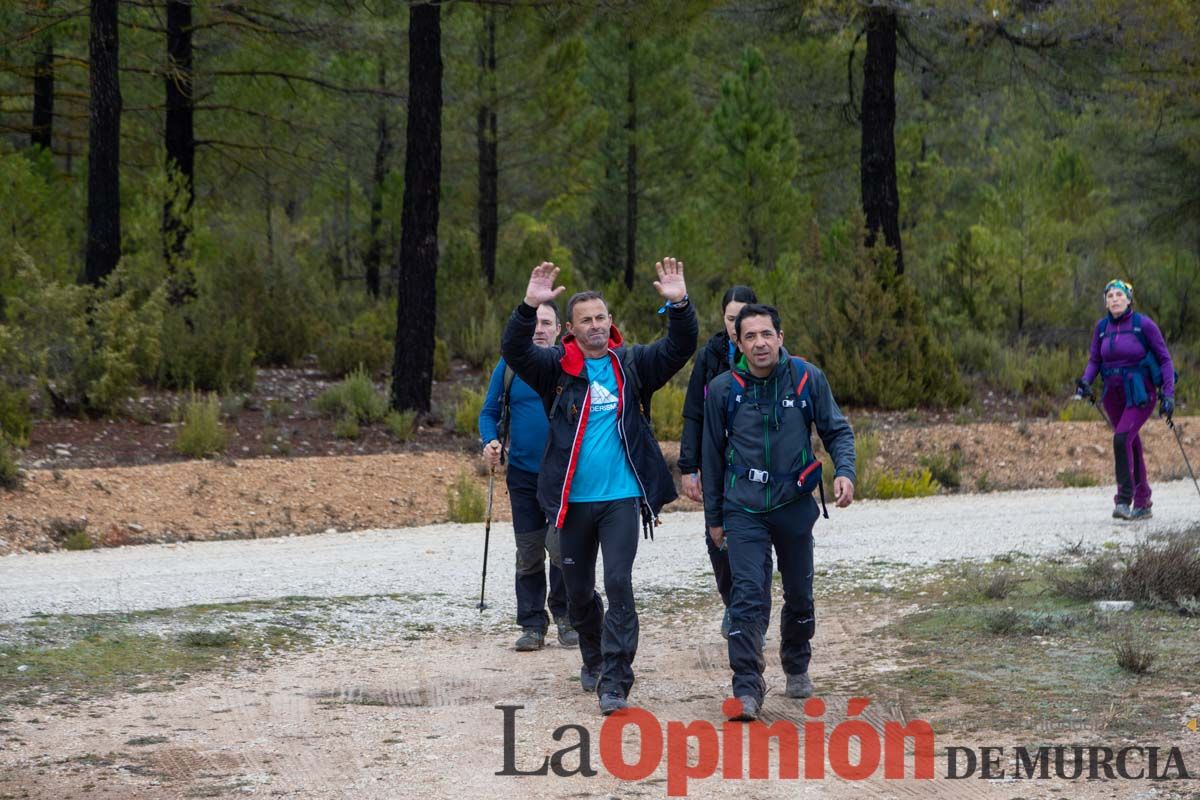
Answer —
(573, 359)
(1126, 315)
(742, 366)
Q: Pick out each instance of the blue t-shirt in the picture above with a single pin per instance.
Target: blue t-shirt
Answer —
(603, 472)
(527, 426)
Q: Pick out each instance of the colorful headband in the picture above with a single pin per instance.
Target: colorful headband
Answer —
(1124, 286)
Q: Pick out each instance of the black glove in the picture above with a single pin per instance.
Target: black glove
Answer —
(1167, 407)
(1082, 390)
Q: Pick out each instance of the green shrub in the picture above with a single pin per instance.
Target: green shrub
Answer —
(78, 541)
(1003, 621)
(71, 534)
(201, 432)
(278, 409)
(206, 350)
(466, 411)
(975, 352)
(871, 483)
(346, 428)
(946, 468)
(208, 639)
(465, 501)
(1076, 478)
(478, 342)
(1023, 370)
(1000, 585)
(88, 348)
(441, 360)
(871, 335)
(1078, 411)
(402, 424)
(366, 342)
(666, 411)
(14, 415)
(355, 396)
(1135, 652)
(919, 483)
(1164, 573)
(10, 471)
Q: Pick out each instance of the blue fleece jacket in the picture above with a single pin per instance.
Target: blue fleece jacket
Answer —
(528, 426)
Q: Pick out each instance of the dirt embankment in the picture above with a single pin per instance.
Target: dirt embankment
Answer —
(279, 496)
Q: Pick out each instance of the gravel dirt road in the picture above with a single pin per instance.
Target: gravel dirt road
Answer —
(447, 558)
(373, 717)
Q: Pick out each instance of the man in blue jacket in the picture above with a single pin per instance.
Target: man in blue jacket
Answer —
(602, 468)
(759, 476)
(512, 404)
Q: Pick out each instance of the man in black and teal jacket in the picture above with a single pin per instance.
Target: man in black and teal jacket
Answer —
(760, 473)
(602, 472)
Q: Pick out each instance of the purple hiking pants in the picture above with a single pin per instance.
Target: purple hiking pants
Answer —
(1127, 444)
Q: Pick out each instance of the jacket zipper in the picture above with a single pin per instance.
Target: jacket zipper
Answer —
(621, 431)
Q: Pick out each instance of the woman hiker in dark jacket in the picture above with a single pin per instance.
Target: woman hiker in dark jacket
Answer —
(1128, 351)
(713, 359)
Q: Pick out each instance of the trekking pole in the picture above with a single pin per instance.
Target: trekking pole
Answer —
(1179, 441)
(1099, 408)
(487, 535)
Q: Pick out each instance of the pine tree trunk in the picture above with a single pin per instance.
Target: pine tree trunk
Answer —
(880, 195)
(104, 145)
(383, 149)
(489, 167)
(43, 96)
(416, 309)
(631, 167)
(180, 136)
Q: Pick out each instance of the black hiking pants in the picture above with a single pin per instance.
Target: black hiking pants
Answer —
(530, 526)
(607, 640)
(751, 536)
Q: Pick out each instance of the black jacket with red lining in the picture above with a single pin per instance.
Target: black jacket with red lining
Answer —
(559, 375)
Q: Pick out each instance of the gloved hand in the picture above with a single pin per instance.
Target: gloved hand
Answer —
(1166, 408)
(1082, 390)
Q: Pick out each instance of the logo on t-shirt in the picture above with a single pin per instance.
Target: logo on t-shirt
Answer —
(602, 399)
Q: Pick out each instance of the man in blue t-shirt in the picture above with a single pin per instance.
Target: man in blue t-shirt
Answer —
(526, 420)
(602, 471)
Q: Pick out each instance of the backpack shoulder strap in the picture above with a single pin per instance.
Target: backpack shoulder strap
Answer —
(733, 400)
(803, 387)
(564, 379)
(502, 429)
(509, 375)
(1139, 333)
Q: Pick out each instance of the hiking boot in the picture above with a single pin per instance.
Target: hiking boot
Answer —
(567, 636)
(799, 686)
(1140, 513)
(611, 702)
(587, 679)
(1122, 511)
(750, 709)
(726, 621)
(531, 639)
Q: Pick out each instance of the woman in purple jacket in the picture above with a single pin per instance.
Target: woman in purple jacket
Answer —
(1128, 351)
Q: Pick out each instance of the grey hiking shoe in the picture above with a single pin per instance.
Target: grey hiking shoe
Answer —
(1122, 511)
(531, 639)
(587, 679)
(567, 636)
(1140, 513)
(750, 709)
(611, 702)
(799, 686)
(726, 621)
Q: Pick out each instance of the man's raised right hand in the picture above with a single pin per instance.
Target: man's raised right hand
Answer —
(541, 287)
